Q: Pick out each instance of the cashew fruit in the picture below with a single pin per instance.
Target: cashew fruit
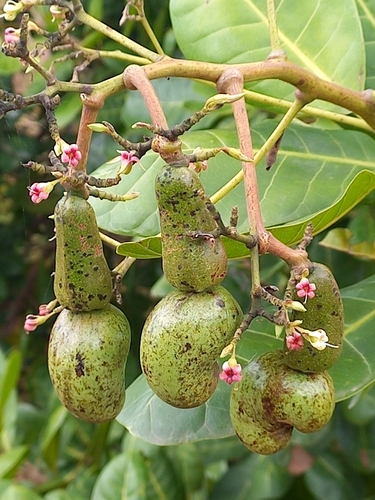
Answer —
(86, 360)
(83, 280)
(191, 263)
(272, 399)
(181, 340)
(324, 311)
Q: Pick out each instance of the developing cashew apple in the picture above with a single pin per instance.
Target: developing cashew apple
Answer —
(83, 280)
(181, 340)
(86, 360)
(324, 311)
(191, 262)
(272, 399)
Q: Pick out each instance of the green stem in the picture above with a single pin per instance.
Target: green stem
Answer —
(274, 33)
(292, 112)
(151, 35)
(85, 18)
(109, 241)
(279, 130)
(361, 103)
(124, 266)
(136, 78)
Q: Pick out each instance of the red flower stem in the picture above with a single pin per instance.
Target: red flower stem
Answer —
(135, 78)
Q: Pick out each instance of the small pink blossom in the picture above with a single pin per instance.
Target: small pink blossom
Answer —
(127, 161)
(40, 191)
(198, 166)
(294, 341)
(31, 323)
(305, 289)
(11, 35)
(231, 372)
(71, 155)
(45, 309)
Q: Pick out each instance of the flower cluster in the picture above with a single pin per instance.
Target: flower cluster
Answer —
(71, 155)
(296, 335)
(32, 321)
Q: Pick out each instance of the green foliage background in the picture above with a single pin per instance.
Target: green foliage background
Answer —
(322, 173)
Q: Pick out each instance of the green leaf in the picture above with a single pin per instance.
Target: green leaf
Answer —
(9, 66)
(9, 376)
(360, 409)
(8, 381)
(331, 172)
(313, 35)
(10, 460)
(256, 477)
(135, 475)
(12, 491)
(178, 98)
(149, 248)
(48, 444)
(340, 238)
(147, 416)
(123, 477)
(366, 10)
(328, 478)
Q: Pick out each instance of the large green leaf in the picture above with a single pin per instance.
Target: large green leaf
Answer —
(146, 416)
(366, 9)
(257, 477)
(313, 35)
(139, 473)
(319, 175)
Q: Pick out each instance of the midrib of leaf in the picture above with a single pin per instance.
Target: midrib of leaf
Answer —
(324, 158)
(365, 362)
(367, 12)
(363, 319)
(291, 45)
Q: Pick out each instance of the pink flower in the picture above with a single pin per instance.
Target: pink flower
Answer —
(306, 289)
(127, 161)
(11, 35)
(71, 154)
(231, 372)
(198, 166)
(31, 323)
(294, 341)
(45, 309)
(40, 191)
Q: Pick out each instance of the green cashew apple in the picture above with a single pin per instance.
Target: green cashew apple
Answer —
(193, 258)
(324, 311)
(181, 340)
(83, 280)
(272, 399)
(86, 360)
